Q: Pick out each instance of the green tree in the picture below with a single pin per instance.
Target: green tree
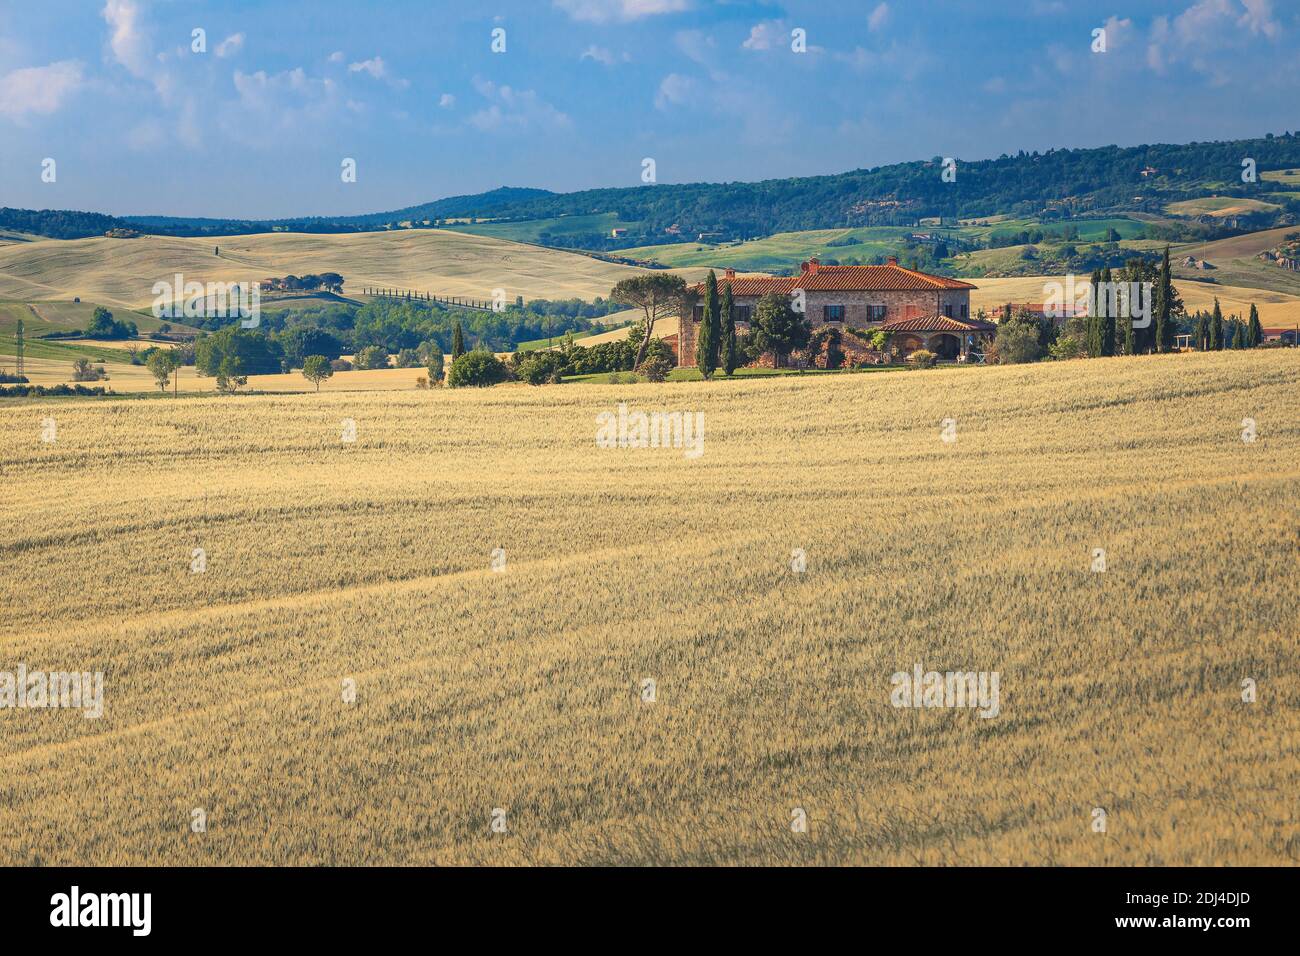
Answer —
(706, 343)
(729, 356)
(434, 363)
(161, 364)
(478, 368)
(1202, 331)
(316, 368)
(1017, 342)
(658, 295)
(457, 342)
(1109, 316)
(231, 376)
(777, 328)
(1216, 327)
(1166, 305)
(1093, 333)
(372, 356)
(710, 329)
(1256, 335)
(250, 350)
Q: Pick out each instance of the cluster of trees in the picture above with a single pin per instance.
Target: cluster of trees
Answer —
(1058, 182)
(104, 326)
(1211, 332)
(329, 281)
(58, 223)
(1107, 330)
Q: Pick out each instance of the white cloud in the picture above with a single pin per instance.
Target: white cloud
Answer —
(230, 45)
(446, 101)
(1258, 17)
(128, 42)
(512, 110)
(377, 68)
(38, 90)
(599, 54)
(675, 90)
(696, 44)
(337, 57)
(605, 11)
(879, 17)
(763, 36)
(285, 96)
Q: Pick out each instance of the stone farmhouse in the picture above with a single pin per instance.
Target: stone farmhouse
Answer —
(921, 310)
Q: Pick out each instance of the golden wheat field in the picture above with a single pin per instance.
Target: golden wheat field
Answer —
(521, 690)
(122, 272)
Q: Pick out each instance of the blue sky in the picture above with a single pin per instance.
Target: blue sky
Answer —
(258, 125)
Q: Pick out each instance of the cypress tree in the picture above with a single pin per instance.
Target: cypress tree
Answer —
(1132, 275)
(457, 341)
(1239, 331)
(1108, 317)
(1256, 330)
(1164, 307)
(1094, 315)
(1202, 331)
(706, 344)
(1216, 328)
(729, 361)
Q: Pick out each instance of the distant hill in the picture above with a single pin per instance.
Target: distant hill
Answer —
(1057, 184)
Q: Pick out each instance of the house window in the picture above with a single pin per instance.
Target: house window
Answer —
(698, 313)
(833, 313)
(965, 311)
(947, 309)
(875, 313)
(743, 313)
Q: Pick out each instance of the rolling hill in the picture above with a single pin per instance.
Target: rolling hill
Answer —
(122, 272)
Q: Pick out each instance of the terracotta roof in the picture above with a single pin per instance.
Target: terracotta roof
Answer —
(889, 277)
(934, 323)
(752, 285)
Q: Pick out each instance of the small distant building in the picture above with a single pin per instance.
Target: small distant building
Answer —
(617, 232)
(1149, 171)
(1278, 334)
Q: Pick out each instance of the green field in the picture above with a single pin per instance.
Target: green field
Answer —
(531, 230)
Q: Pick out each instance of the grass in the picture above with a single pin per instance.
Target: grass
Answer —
(535, 344)
(370, 561)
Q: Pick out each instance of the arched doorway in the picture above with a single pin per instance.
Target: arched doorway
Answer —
(945, 345)
(907, 344)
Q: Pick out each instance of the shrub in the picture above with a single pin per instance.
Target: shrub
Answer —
(341, 365)
(408, 358)
(539, 368)
(922, 358)
(479, 368)
(372, 356)
(1068, 347)
(653, 370)
(1017, 342)
(83, 371)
